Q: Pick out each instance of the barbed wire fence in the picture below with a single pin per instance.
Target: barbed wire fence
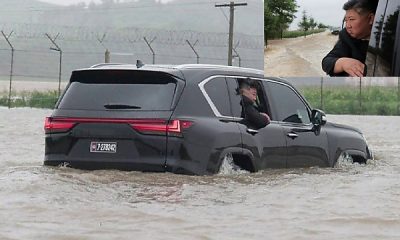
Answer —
(37, 57)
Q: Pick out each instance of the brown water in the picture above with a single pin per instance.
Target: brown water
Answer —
(350, 201)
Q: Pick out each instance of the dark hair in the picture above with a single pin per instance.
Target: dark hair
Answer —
(245, 83)
(361, 6)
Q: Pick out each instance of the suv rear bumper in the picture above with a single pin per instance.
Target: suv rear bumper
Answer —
(128, 165)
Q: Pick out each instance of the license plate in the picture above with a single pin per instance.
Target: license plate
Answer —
(103, 147)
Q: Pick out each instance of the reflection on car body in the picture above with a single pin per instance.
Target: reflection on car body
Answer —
(383, 58)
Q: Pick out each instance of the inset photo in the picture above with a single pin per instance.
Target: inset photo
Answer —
(353, 38)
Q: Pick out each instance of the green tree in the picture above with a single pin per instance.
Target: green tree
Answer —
(270, 23)
(321, 26)
(278, 14)
(304, 24)
(313, 24)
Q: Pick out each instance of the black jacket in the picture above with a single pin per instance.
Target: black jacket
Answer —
(346, 46)
(252, 117)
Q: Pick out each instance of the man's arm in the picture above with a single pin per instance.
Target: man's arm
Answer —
(253, 116)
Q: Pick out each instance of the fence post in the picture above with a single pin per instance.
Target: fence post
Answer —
(58, 49)
(151, 49)
(322, 94)
(237, 54)
(194, 50)
(107, 52)
(107, 56)
(12, 65)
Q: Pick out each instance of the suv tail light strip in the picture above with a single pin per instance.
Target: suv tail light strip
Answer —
(145, 126)
(52, 125)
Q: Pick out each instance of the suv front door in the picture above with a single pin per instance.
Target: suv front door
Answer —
(305, 147)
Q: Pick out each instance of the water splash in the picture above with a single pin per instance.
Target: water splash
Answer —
(344, 161)
(228, 167)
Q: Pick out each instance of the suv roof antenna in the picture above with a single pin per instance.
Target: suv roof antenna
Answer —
(139, 63)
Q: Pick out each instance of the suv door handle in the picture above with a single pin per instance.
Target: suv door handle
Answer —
(251, 131)
(292, 135)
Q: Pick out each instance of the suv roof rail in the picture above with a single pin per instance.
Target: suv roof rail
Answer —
(105, 64)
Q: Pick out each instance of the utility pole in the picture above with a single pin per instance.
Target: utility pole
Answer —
(232, 6)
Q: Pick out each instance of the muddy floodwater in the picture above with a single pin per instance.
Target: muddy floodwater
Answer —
(349, 201)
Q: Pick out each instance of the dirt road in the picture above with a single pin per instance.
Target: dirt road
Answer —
(297, 57)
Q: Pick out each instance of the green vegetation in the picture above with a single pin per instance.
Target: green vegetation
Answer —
(33, 99)
(298, 33)
(335, 100)
(347, 100)
(278, 14)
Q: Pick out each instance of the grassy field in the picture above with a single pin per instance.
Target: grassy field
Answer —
(347, 100)
(335, 100)
(298, 33)
(33, 99)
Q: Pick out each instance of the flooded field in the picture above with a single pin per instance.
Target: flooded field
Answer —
(348, 202)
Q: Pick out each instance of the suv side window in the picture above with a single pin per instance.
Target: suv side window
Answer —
(381, 59)
(234, 97)
(287, 104)
(216, 89)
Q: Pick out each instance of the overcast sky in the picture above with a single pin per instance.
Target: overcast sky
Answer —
(69, 2)
(329, 12)
(326, 11)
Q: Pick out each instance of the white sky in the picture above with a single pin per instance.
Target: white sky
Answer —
(329, 12)
(326, 11)
(69, 2)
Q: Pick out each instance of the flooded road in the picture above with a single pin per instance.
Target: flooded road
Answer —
(350, 201)
(298, 57)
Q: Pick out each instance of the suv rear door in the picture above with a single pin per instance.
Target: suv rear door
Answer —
(116, 118)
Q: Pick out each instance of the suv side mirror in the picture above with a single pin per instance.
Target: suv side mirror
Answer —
(318, 117)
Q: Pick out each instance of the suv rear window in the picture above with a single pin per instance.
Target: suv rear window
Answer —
(119, 89)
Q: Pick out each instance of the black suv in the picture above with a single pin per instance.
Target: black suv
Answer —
(186, 119)
(383, 57)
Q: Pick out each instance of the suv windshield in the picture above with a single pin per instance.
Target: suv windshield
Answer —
(121, 90)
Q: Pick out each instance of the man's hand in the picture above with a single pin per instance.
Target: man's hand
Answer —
(351, 66)
(266, 115)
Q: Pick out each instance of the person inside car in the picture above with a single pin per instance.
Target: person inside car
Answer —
(251, 115)
(347, 57)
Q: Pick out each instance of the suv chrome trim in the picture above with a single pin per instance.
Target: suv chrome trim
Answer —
(105, 64)
(214, 108)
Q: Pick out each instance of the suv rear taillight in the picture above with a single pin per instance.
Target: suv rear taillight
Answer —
(144, 126)
(173, 127)
(53, 125)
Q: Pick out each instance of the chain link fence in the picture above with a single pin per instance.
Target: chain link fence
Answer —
(38, 59)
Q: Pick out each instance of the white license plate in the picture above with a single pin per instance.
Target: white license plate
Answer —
(103, 147)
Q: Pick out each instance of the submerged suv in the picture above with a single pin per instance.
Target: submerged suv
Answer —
(187, 119)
